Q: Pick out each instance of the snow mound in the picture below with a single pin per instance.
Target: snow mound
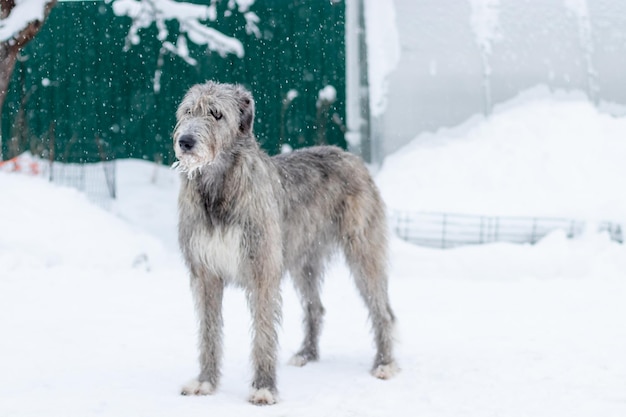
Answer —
(542, 157)
(45, 225)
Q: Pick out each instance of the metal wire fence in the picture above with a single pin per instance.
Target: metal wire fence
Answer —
(96, 180)
(447, 230)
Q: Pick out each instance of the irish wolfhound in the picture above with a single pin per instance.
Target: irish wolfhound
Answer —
(246, 219)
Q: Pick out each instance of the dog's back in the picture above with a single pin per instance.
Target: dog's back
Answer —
(328, 197)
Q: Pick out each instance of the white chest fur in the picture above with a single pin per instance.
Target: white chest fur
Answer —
(218, 251)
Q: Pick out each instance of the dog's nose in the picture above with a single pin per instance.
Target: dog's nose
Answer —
(186, 142)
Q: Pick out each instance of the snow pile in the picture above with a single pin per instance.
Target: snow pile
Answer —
(46, 226)
(550, 156)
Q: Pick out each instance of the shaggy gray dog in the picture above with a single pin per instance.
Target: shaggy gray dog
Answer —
(246, 219)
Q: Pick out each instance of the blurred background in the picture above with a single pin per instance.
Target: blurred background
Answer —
(97, 81)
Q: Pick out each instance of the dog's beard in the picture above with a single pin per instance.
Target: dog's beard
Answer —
(193, 163)
(189, 165)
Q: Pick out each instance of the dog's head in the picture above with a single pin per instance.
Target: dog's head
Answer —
(209, 120)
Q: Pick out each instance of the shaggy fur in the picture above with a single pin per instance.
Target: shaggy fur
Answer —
(246, 219)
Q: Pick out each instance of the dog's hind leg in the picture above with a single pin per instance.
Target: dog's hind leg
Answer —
(365, 248)
(208, 293)
(371, 281)
(307, 281)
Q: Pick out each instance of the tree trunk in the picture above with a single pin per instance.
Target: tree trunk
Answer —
(10, 48)
(8, 56)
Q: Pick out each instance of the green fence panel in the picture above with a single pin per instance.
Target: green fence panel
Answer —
(77, 96)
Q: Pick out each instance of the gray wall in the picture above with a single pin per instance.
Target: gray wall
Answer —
(440, 80)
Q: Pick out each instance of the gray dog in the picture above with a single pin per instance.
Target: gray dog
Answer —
(246, 219)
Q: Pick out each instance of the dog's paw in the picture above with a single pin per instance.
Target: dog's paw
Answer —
(298, 360)
(303, 357)
(385, 371)
(196, 387)
(262, 396)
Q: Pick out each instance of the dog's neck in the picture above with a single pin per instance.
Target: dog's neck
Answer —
(219, 183)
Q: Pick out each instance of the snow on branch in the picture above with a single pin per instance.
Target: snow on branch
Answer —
(213, 39)
(21, 16)
(192, 20)
(326, 96)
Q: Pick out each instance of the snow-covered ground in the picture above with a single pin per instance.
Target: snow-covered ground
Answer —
(96, 317)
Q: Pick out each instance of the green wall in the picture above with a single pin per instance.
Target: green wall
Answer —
(78, 95)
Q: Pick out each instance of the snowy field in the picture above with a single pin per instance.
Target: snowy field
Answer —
(96, 317)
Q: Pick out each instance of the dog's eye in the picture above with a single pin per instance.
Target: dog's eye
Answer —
(216, 114)
(188, 111)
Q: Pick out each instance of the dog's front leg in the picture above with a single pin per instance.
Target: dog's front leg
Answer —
(208, 291)
(265, 305)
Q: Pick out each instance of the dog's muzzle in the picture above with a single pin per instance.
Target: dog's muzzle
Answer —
(186, 143)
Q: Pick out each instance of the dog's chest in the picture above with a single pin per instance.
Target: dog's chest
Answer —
(218, 251)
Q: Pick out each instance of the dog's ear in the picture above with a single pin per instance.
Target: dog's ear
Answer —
(246, 110)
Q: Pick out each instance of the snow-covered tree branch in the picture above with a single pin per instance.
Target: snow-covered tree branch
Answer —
(192, 19)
